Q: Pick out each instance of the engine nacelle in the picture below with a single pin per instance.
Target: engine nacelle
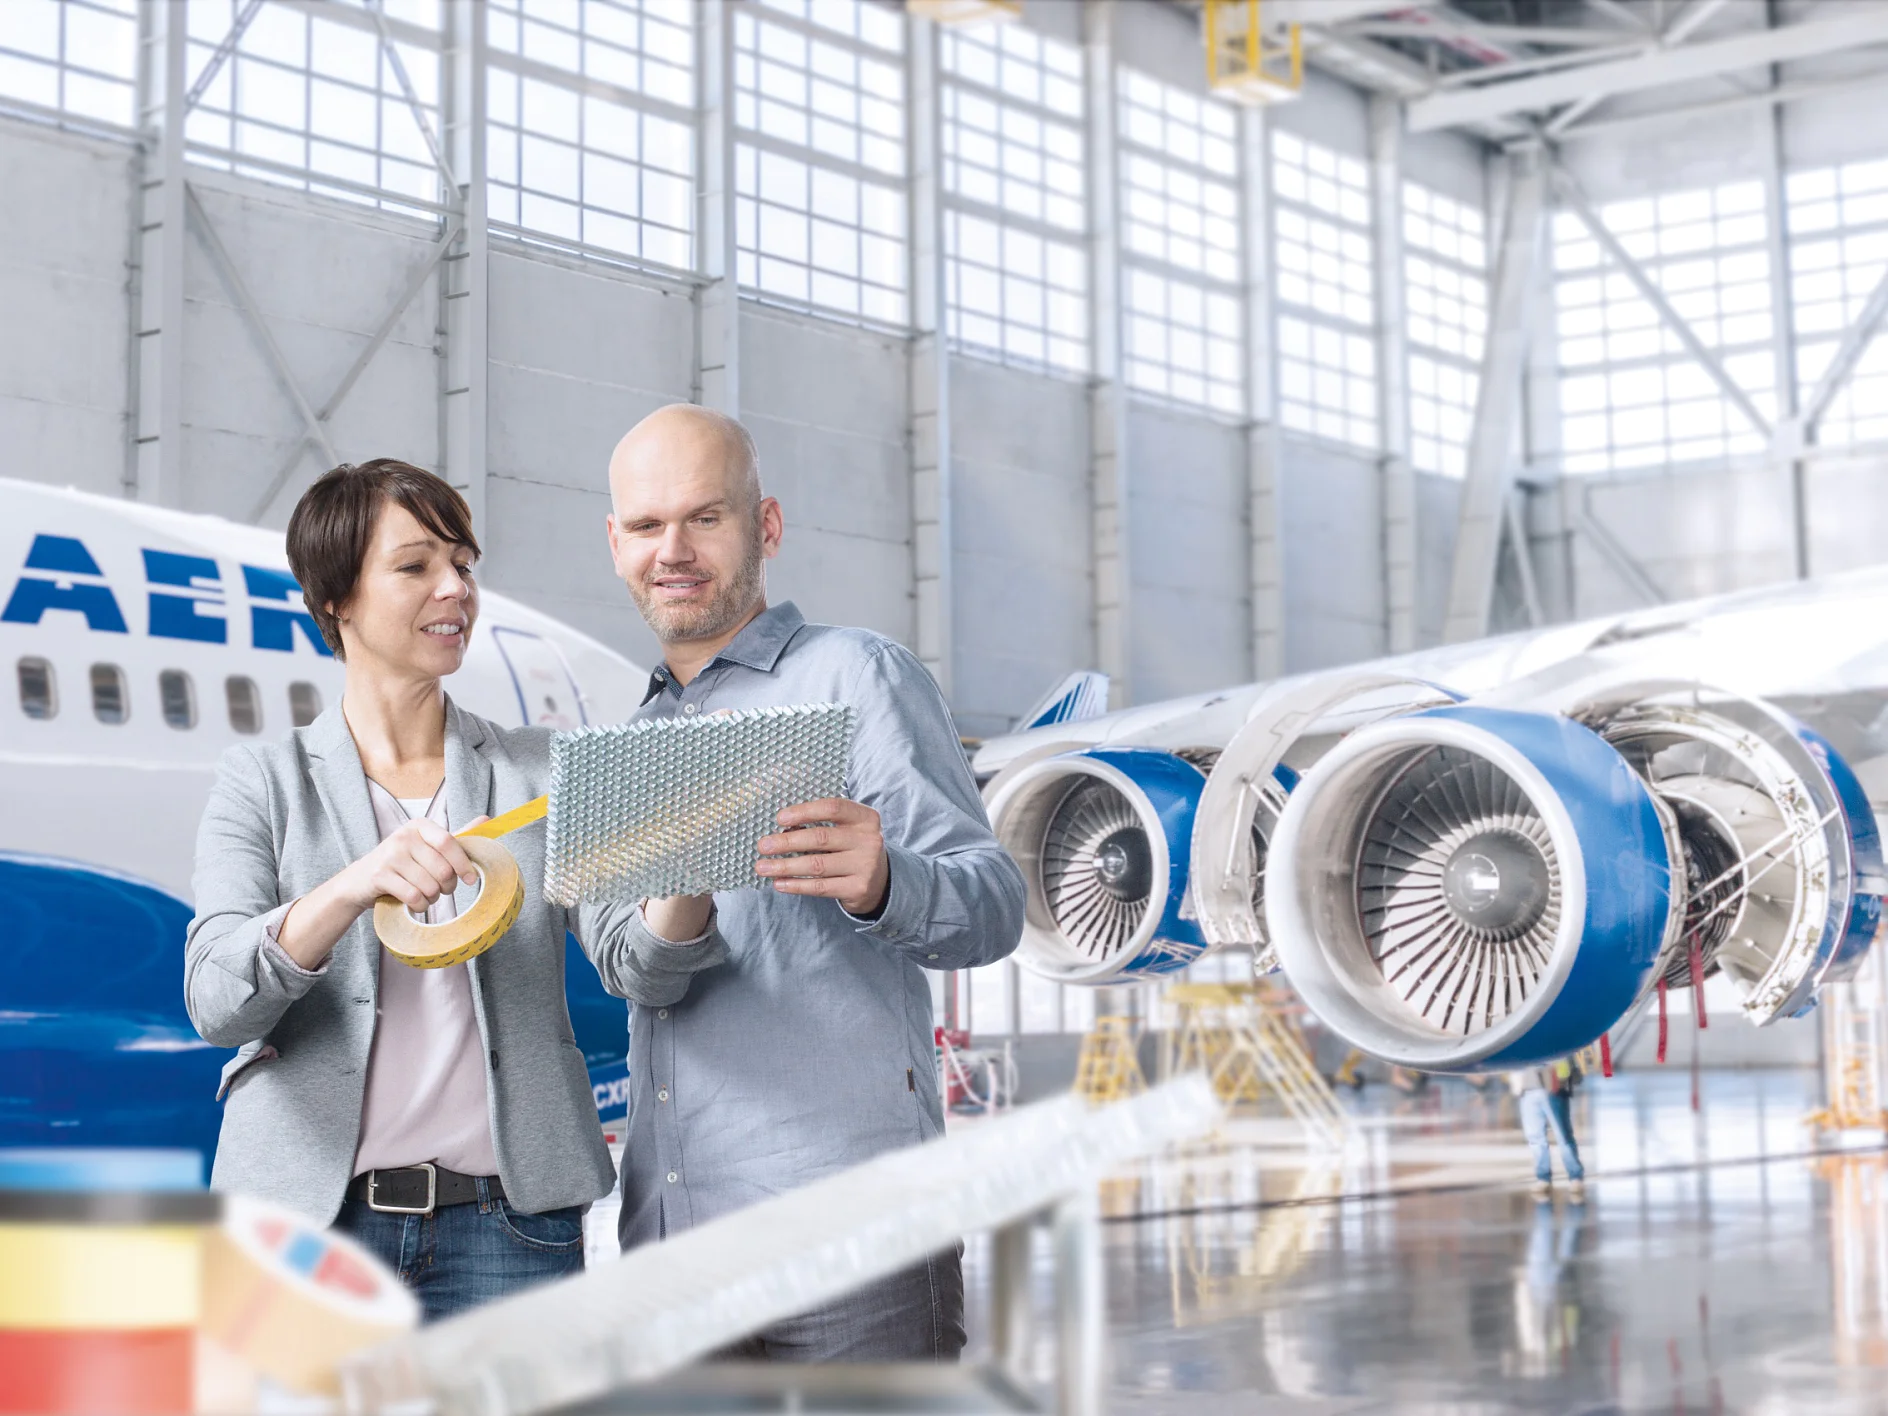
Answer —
(1467, 889)
(1103, 838)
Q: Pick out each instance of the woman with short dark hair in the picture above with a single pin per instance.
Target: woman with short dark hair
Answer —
(443, 1116)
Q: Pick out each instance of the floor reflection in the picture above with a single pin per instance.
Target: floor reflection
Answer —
(1719, 1263)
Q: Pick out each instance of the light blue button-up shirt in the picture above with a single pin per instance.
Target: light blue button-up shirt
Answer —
(810, 1049)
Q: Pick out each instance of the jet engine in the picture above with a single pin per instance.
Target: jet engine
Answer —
(1468, 888)
(1102, 836)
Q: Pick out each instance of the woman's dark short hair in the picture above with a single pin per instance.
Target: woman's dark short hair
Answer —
(333, 523)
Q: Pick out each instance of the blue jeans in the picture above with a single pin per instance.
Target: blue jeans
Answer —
(916, 1315)
(464, 1255)
(1542, 1112)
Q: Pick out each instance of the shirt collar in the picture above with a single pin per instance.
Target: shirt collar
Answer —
(758, 646)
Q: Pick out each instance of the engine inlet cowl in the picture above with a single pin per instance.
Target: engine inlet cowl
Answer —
(1467, 889)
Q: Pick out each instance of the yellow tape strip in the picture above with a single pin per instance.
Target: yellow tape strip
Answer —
(99, 1275)
(510, 821)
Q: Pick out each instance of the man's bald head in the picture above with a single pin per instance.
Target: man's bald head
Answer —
(690, 529)
(686, 439)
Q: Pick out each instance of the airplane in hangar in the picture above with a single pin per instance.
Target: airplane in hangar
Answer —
(1490, 854)
(141, 643)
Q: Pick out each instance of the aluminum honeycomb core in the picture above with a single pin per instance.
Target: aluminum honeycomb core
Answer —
(675, 806)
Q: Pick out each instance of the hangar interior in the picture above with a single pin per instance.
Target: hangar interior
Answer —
(1057, 358)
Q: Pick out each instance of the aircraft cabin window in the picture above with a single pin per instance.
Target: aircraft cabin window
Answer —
(304, 704)
(177, 696)
(39, 692)
(245, 704)
(109, 701)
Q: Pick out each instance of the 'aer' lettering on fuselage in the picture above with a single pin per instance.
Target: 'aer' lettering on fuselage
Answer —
(186, 597)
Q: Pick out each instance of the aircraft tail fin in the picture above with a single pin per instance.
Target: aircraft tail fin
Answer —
(1083, 694)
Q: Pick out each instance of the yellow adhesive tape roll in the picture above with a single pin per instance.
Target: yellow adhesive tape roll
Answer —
(438, 946)
(290, 1299)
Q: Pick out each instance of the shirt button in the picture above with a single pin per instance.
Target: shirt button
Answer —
(662, 1012)
(691, 708)
(663, 1095)
(930, 956)
(673, 1177)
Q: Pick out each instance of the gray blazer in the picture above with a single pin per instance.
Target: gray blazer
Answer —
(285, 817)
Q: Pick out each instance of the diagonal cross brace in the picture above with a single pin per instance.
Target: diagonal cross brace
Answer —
(1855, 341)
(220, 55)
(414, 285)
(376, 9)
(1576, 199)
(253, 313)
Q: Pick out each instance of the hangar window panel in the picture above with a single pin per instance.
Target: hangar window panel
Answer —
(304, 704)
(1838, 220)
(1179, 173)
(1015, 270)
(77, 56)
(1630, 394)
(1445, 261)
(603, 159)
(1324, 289)
(819, 176)
(991, 1013)
(39, 688)
(306, 96)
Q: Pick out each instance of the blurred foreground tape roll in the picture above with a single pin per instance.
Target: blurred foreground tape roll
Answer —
(289, 1299)
(101, 1256)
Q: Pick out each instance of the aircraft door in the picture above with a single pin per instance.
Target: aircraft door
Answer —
(548, 696)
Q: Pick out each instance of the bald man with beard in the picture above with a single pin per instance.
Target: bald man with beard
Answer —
(811, 1049)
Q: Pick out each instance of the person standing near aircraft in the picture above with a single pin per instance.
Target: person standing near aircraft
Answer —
(1545, 1098)
(441, 1116)
(812, 1048)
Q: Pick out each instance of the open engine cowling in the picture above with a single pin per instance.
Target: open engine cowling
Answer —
(1103, 836)
(1781, 851)
(1466, 888)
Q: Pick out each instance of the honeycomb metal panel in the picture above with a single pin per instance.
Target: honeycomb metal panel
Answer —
(674, 806)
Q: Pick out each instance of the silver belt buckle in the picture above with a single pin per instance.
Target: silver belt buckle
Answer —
(432, 1191)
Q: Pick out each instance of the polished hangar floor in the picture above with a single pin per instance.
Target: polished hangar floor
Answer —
(1726, 1260)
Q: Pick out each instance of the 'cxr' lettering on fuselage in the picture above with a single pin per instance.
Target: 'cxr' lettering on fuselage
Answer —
(187, 598)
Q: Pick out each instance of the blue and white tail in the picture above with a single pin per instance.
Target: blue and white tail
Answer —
(1083, 694)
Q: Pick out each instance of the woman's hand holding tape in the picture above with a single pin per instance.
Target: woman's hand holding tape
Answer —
(415, 866)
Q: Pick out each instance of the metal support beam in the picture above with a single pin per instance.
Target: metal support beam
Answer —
(933, 542)
(465, 271)
(718, 301)
(1649, 291)
(158, 417)
(1786, 441)
(1491, 446)
(1107, 408)
(1399, 476)
(376, 10)
(220, 55)
(1618, 556)
(1851, 27)
(1524, 557)
(1682, 26)
(418, 282)
(1855, 341)
(258, 325)
(1264, 462)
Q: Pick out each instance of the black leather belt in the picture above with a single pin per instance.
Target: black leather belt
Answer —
(420, 1189)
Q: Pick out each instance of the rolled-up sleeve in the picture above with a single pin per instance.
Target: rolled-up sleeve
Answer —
(955, 898)
(237, 981)
(636, 963)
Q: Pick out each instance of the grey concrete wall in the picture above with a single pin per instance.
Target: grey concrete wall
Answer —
(1024, 593)
(63, 363)
(1333, 552)
(1188, 546)
(578, 355)
(827, 405)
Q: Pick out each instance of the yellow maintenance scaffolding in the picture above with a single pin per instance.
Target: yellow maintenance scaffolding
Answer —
(1246, 64)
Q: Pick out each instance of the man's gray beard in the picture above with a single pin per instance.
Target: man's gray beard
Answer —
(731, 601)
